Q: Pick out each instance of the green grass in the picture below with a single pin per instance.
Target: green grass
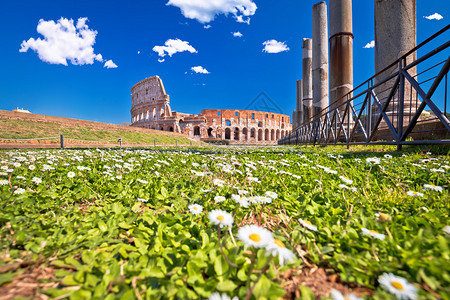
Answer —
(23, 129)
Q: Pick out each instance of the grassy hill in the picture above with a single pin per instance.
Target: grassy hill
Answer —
(26, 129)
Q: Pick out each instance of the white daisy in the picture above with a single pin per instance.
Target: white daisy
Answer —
(3, 182)
(446, 229)
(19, 191)
(16, 164)
(388, 156)
(272, 195)
(264, 199)
(36, 180)
(242, 200)
(414, 194)
(219, 199)
(217, 296)
(278, 248)
(398, 286)
(221, 218)
(195, 209)
(31, 167)
(346, 180)
(373, 233)
(71, 174)
(142, 200)
(256, 236)
(218, 182)
(433, 187)
(336, 295)
(308, 224)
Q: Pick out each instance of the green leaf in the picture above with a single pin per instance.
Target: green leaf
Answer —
(7, 277)
(221, 266)
(226, 286)
(306, 293)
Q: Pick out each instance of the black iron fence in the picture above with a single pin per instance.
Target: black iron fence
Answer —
(406, 103)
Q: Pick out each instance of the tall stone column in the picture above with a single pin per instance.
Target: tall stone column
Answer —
(298, 113)
(307, 79)
(341, 51)
(320, 57)
(395, 35)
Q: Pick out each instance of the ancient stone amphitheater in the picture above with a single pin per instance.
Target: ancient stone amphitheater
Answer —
(151, 109)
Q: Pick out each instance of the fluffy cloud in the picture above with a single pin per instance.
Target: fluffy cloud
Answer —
(173, 46)
(200, 69)
(237, 34)
(369, 45)
(161, 60)
(273, 46)
(434, 16)
(109, 64)
(207, 26)
(64, 41)
(205, 11)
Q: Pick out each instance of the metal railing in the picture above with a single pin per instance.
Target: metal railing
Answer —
(406, 103)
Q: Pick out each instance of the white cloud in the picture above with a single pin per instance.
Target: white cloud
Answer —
(369, 45)
(200, 69)
(434, 16)
(64, 41)
(237, 34)
(139, 52)
(109, 64)
(205, 11)
(161, 60)
(207, 26)
(273, 46)
(173, 46)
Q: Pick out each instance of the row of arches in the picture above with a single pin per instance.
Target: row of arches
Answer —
(148, 114)
(252, 134)
(260, 123)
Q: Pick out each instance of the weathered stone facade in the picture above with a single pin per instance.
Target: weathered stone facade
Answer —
(151, 109)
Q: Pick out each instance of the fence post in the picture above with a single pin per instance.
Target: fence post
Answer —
(61, 138)
(401, 103)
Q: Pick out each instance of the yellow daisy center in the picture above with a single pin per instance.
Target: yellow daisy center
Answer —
(372, 231)
(220, 218)
(308, 222)
(255, 237)
(279, 243)
(195, 208)
(397, 285)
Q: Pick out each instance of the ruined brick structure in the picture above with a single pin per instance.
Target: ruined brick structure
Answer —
(151, 109)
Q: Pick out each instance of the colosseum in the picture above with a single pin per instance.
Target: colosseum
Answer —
(151, 109)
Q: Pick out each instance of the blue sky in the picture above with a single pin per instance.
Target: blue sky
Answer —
(238, 68)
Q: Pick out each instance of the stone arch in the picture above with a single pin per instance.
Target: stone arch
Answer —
(260, 135)
(266, 134)
(153, 113)
(278, 134)
(171, 128)
(227, 133)
(272, 135)
(260, 124)
(252, 133)
(236, 134)
(210, 132)
(245, 133)
(282, 125)
(282, 133)
(161, 111)
(147, 114)
(227, 123)
(196, 130)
